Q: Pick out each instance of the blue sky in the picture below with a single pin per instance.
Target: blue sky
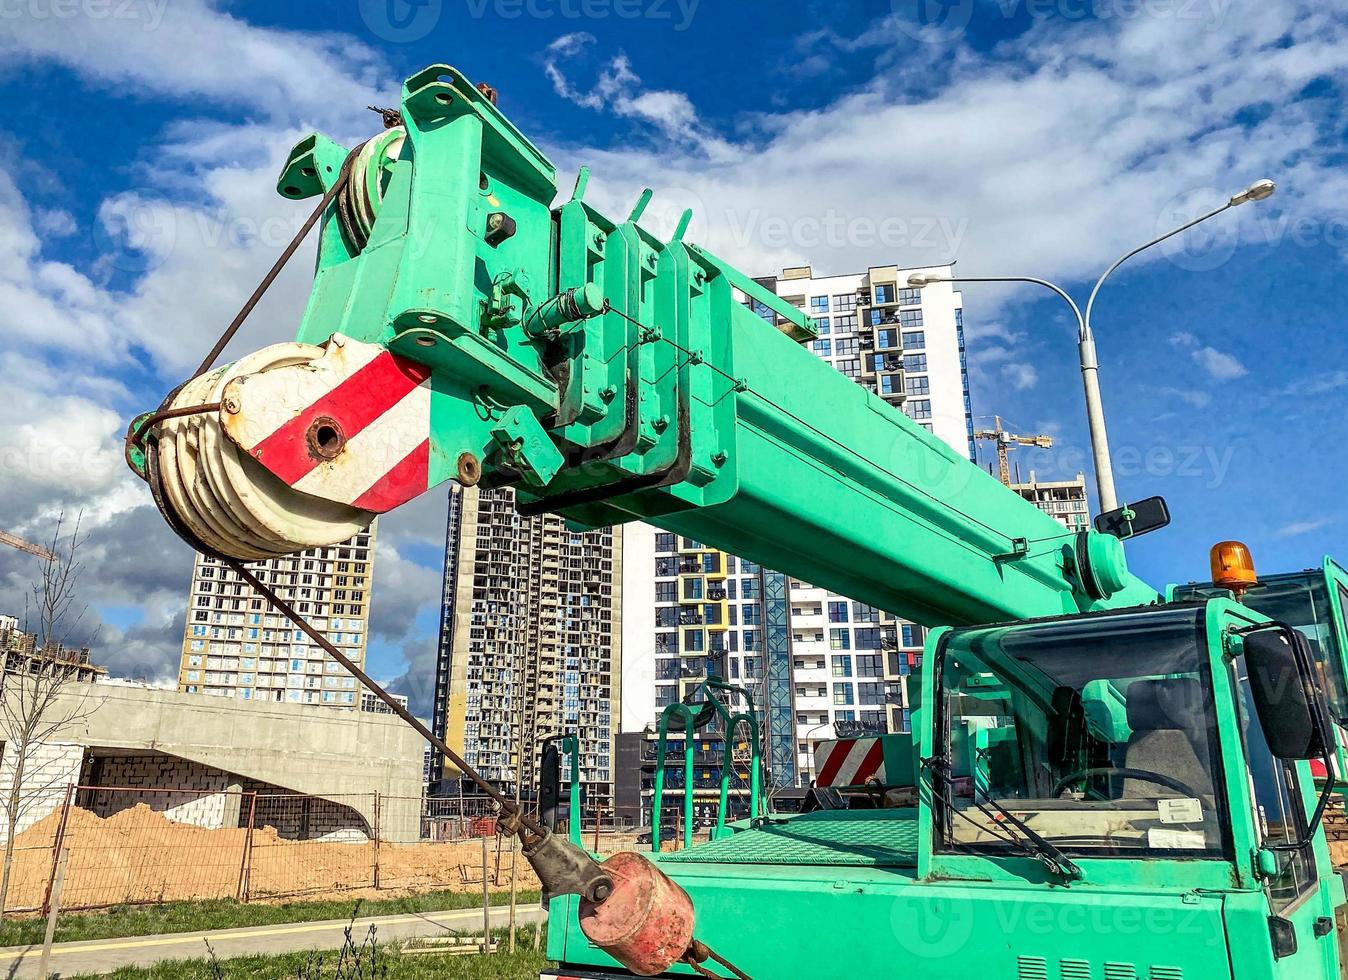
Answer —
(1039, 137)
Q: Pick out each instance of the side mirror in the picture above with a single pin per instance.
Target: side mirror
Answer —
(550, 785)
(1278, 661)
(1130, 520)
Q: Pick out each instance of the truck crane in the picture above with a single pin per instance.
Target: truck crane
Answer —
(1107, 784)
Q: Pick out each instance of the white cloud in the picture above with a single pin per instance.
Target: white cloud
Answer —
(191, 51)
(617, 87)
(1191, 397)
(1219, 365)
(1303, 527)
(1020, 375)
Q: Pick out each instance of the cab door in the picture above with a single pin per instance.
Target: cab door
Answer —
(1299, 895)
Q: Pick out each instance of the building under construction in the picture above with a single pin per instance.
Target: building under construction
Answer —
(530, 643)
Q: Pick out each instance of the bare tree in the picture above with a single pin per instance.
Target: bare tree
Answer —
(41, 695)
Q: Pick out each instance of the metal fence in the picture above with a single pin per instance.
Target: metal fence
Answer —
(136, 845)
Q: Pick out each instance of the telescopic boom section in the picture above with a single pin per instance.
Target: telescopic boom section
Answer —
(462, 328)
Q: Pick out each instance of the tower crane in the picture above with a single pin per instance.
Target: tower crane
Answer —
(14, 541)
(1085, 756)
(1005, 442)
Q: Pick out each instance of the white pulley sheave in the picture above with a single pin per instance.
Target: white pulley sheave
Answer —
(228, 500)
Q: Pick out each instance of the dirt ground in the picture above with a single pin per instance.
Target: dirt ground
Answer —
(138, 855)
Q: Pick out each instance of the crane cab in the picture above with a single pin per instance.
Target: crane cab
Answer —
(1314, 601)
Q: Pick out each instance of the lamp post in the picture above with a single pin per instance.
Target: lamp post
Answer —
(809, 768)
(1090, 367)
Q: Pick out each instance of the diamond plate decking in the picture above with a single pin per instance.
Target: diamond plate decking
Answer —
(870, 838)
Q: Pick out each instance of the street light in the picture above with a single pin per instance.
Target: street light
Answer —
(809, 765)
(1090, 367)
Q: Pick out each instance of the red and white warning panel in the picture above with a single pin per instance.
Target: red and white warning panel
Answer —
(849, 761)
(352, 426)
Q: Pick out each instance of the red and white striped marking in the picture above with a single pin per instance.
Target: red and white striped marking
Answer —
(849, 761)
(380, 402)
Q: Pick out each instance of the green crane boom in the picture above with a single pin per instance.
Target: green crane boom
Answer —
(611, 376)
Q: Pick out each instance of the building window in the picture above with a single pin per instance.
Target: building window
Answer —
(910, 318)
(844, 302)
(824, 348)
(844, 324)
(844, 345)
(884, 293)
(666, 591)
(915, 338)
(664, 541)
(868, 638)
(842, 694)
(915, 362)
(919, 408)
(889, 384)
(837, 612)
(910, 297)
(917, 385)
(842, 666)
(693, 640)
(870, 664)
(818, 304)
(821, 324)
(887, 339)
(849, 366)
(871, 693)
(840, 639)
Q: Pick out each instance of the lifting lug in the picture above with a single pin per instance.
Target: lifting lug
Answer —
(565, 869)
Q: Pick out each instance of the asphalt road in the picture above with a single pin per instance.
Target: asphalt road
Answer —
(106, 955)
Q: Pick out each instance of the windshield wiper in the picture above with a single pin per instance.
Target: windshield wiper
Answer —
(1047, 854)
(1029, 841)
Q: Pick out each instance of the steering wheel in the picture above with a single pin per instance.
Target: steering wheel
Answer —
(1160, 779)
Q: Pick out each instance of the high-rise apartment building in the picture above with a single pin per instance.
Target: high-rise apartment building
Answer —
(236, 646)
(530, 642)
(1063, 500)
(719, 615)
(850, 663)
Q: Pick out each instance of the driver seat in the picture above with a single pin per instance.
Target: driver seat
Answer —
(1169, 736)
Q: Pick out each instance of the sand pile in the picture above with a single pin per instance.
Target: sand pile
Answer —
(140, 856)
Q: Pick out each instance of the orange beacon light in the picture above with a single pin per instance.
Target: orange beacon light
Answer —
(1233, 567)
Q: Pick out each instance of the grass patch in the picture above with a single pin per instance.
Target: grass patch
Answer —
(390, 964)
(149, 920)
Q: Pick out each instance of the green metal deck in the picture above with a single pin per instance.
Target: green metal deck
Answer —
(865, 838)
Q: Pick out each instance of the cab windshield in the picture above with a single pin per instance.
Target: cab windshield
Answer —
(1098, 734)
